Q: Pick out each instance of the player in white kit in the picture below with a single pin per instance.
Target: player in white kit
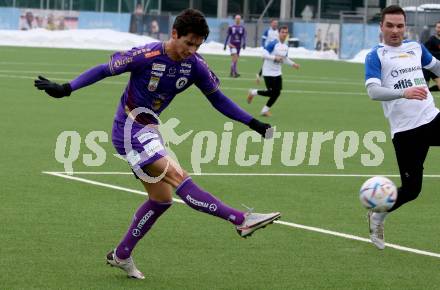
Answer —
(274, 54)
(393, 75)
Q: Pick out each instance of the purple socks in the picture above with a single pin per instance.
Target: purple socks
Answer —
(203, 201)
(233, 67)
(143, 220)
(151, 210)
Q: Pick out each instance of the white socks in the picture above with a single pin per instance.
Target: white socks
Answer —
(379, 217)
(254, 92)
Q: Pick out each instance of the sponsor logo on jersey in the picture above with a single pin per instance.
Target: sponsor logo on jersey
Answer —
(396, 72)
(403, 55)
(158, 66)
(403, 84)
(156, 73)
(140, 51)
(181, 82)
(154, 82)
(420, 82)
(185, 71)
(152, 53)
(185, 64)
(122, 61)
(411, 52)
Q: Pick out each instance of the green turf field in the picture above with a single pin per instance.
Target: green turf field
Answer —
(55, 232)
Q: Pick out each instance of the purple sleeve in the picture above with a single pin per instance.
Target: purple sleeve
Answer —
(120, 62)
(228, 108)
(229, 35)
(244, 37)
(128, 61)
(205, 79)
(91, 76)
(208, 83)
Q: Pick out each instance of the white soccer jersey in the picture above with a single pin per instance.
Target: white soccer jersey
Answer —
(269, 35)
(275, 48)
(400, 68)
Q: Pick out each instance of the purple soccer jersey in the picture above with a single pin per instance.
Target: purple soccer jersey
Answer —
(236, 36)
(156, 79)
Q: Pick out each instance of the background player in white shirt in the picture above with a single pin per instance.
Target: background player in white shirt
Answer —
(393, 74)
(274, 54)
(269, 35)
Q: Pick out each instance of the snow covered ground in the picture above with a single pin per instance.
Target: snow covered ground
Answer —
(112, 40)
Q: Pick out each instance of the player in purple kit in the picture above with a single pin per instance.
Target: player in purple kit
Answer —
(235, 39)
(159, 71)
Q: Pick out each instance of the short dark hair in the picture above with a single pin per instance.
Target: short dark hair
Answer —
(392, 9)
(191, 21)
(283, 27)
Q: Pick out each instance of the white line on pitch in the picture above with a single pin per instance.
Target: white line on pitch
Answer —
(7, 74)
(82, 66)
(242, 174)
(289, 224)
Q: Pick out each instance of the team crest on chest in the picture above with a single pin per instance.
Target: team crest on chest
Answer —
(171, 72)
(181, 82)
(152, 85)
(157, 103)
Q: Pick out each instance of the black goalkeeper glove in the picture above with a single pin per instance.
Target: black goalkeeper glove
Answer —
(53, 89)
(261, 128)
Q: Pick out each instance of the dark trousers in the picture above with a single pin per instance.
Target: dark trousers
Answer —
(411, 149)
(274, 86)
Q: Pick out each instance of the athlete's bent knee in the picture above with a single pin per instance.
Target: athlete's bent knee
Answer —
(176, 175)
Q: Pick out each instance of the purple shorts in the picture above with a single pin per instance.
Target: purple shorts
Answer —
(144, 144)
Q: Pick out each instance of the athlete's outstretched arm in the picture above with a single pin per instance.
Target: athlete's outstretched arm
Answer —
(227, 107)
(91, 76)
(120, 62)
(289, 62)
(88, 77)
(227, 38)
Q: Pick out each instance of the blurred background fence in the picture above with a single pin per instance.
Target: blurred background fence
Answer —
(343, 26)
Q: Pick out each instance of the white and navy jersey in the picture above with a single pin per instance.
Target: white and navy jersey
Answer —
(399, 68)
(268, 36)
(270, 66)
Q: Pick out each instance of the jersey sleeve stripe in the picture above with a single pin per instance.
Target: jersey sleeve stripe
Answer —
(373, 81)
(431, 64)
(373, 66)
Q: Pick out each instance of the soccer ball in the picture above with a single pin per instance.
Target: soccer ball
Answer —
(378, 194)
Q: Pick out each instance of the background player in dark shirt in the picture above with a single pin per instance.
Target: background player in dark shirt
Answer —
(433, 45)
